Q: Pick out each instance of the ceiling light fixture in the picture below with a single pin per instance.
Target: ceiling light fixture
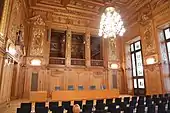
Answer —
(111, 24)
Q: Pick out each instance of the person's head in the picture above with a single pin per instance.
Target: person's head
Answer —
(76, 108)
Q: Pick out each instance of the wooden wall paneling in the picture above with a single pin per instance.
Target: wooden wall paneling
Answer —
(57, 79)
(20, 84)
(9, 81)
(27, 82)
(152, 73)
(6, 82)
(3, 80)
(97, 78)
(41, 80)
(72, 78)
(14, 81)
(120, 83)
(83, 79)
(110, 79)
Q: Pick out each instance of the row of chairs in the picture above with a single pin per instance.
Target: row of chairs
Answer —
(141, 104)
(80, 87)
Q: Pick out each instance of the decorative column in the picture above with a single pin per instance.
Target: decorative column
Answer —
(105, 52)
(112, 58)
(87, 49)
(68, 48)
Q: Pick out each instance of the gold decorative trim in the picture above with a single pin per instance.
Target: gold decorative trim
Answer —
(4, 20)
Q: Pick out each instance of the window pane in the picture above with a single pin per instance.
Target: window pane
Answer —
(139, 63)
(131, 47)
(133, 65)
(168, 46)
(167, 33)
(137, 45)
(141, 83)
(77, 46)
(96, 48)
(135, 83)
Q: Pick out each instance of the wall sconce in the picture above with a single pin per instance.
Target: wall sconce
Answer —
(35, 62)
(114, 66)
(150, 61)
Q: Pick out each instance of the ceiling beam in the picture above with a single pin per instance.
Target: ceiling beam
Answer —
(65, 2)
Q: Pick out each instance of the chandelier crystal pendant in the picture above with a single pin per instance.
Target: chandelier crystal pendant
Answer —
(111, 24)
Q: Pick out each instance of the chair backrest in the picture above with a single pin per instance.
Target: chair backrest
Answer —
(114, 109)
(58, 109)
(128, 110)
(161, 95)
(161, 108)
(40, 104)
(141, 102)
(23, 110)
(80, 103)
(42, 110)
(92, 87)
(166, 95)
(148, 96)
(123, 106)
(70, 87)
(100, 101)
(118, 101)
(126, 100)
(103, 87)
(52, 105)
(66, 104)
(111, 107)
(140, 109)
(100, 106)
(57, 88)
(109, 101)
(169, 105)
(141, 98)
(26, 105)
(89, 102)
(134, 99)
(154, 96)
(87, 108)
(132, 103)
(80, 87)
(148, 101)
(164, 100)
(156, 101)
(151, 108)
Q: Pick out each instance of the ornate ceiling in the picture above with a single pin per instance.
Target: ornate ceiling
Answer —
(90, 10)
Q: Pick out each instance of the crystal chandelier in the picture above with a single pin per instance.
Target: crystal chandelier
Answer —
(111, 24)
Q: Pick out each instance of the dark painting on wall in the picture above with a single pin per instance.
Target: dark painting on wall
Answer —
(1, 8)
